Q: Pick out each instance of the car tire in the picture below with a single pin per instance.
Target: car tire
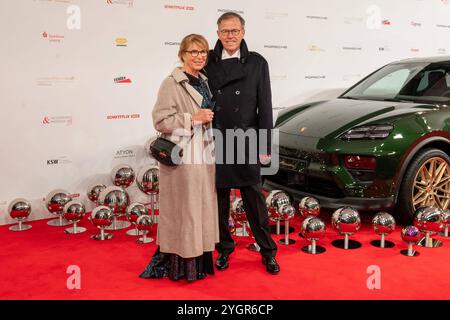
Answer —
(405, 208)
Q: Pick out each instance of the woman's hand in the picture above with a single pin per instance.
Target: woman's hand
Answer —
(203, 116)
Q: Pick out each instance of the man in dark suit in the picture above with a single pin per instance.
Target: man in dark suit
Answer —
(240, 84)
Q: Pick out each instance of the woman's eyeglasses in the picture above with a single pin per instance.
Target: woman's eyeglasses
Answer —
(195, 53)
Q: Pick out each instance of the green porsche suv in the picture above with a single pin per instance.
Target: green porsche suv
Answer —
(384, 144)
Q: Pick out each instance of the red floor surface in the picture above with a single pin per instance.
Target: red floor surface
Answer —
(34, 266)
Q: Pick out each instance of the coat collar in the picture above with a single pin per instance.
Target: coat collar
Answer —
(228, 70)
(179, 75)
(183, 80)
(217, 52)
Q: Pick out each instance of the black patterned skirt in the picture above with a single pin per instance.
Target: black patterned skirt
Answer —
(175, 267)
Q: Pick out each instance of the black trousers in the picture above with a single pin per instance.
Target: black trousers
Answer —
(257, 216)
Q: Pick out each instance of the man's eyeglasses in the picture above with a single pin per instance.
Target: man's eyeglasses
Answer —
(234, 32)
(195, 53)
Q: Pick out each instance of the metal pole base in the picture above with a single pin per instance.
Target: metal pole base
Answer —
(134, 232)
(20, 227)
(105, 236)
(286, 241)
(431, 243)
(118, 224)
(145, 239)
(387, 244)
(414, 253)
(308, 249)
(253, 247)
(352, 244)
(444, 233)
(75, 230)
(273, 229)
(60, 222)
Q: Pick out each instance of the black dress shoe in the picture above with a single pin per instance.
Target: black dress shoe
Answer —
(271, 265)
(222, 261)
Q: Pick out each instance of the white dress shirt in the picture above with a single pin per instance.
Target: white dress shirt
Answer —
(226, 55)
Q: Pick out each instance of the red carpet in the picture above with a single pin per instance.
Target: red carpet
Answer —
(34, 264)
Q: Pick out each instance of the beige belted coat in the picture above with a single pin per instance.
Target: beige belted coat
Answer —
(188, 217)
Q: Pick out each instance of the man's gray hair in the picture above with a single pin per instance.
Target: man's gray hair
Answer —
(231, 15)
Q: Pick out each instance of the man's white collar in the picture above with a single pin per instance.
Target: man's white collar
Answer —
(226, 55)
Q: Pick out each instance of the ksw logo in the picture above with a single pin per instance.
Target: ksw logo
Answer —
(63, 160)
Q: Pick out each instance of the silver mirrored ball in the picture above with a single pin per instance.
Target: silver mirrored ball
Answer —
(238, 211)
(94, 191)
(56, 200)
(313, 228)
(148, 179)
(115, 198)
(446, 217)
(432, 220)
(309, 206)
(134, 211)
(383, 223)
(19, 209)
(346, 220)
(101, 216)
(74, 210)
(123, 175)
(144, 222)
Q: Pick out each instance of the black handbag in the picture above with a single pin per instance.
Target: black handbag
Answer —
(166, 152)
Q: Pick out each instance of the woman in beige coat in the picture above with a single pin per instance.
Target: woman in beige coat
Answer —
(188, 217)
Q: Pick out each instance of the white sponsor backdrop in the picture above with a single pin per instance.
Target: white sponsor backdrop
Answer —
(79, 77)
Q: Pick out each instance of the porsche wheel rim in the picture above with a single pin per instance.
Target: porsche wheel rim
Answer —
(432, 184)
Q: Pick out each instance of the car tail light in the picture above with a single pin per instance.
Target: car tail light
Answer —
(360, 162)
